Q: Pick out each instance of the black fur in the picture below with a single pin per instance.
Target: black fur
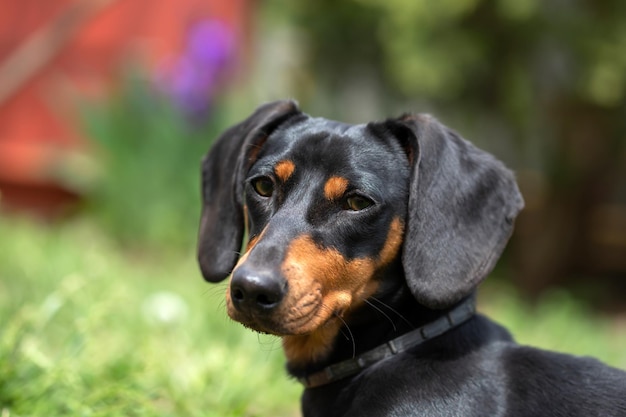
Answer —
(458, 205)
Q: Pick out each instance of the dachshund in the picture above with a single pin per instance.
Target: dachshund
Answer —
(366, 244)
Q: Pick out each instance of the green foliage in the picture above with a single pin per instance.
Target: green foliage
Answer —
(440, 49)
(91, 329)
(149, 189)
(542, 85)
(556, 321)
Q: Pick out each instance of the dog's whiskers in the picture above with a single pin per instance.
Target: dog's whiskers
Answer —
(347, 333)
(268, 342)
(391, 309)
(348, 336)
(381, 312)
(215, 290)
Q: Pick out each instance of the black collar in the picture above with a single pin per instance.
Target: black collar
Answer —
(458, 315)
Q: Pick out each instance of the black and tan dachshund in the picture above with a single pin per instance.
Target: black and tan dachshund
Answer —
(367, 243)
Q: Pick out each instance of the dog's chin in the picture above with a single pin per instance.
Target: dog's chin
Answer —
(282, 329)
(264, 328)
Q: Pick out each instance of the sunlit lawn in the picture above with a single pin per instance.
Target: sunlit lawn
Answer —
(91, 329)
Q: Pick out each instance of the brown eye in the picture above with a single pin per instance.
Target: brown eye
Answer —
(263, 186)
(357, 203)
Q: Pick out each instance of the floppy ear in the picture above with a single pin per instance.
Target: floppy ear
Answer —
(222, 221)
(461, 211)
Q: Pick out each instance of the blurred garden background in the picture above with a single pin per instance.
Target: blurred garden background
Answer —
(107, 107)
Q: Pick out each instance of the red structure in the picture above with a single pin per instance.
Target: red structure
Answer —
(54, 52)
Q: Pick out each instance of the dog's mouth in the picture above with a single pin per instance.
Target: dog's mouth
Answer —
(277, 328)
(294, 317)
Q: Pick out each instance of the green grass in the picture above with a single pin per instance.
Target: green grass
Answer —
(91, 329)
(557, 321)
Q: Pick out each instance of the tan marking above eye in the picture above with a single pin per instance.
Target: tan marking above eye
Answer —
(284, 170)
(335, 188)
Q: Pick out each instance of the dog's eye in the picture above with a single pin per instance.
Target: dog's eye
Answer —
(263, 186)
(357, 203)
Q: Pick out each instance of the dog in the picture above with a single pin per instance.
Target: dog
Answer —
(366, 247)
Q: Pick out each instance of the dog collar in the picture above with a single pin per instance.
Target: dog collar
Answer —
(458, 315)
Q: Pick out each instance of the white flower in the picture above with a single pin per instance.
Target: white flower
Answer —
(165, 308)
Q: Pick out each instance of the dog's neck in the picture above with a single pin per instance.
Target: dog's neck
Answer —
(373, 323)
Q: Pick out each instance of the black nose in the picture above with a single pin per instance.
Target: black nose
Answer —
(256, 290)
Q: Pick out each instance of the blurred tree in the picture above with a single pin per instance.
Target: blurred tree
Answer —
(546, 81)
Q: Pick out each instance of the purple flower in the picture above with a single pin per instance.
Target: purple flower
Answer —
(193, 78)
(211, 44)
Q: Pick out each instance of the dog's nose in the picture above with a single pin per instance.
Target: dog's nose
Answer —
(256, 290)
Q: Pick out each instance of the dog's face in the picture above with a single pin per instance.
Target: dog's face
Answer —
(331, 208)
(326, 206)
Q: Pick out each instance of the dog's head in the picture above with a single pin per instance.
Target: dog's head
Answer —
(330, 207)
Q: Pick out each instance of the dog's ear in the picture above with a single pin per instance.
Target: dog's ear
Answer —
(222, 221)
(461, 210)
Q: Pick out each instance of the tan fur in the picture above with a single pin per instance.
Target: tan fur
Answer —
(284, 170)
(335, 188)
(345, 284)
